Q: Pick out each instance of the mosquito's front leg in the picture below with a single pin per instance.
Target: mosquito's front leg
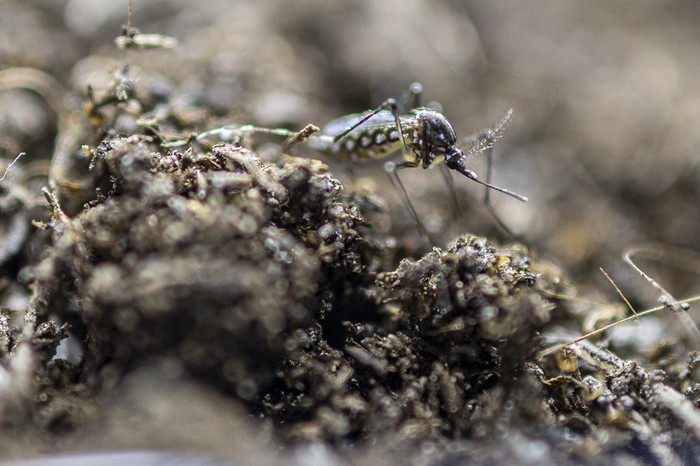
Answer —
(454, 201)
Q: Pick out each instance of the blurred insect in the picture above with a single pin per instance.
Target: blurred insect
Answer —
(425, 137)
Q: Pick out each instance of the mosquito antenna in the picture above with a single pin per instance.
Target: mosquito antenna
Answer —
(481, 142)
(486, 139)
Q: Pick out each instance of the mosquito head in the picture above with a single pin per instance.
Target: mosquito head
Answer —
(456, 159)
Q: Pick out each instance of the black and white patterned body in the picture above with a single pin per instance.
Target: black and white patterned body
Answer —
(427, 134)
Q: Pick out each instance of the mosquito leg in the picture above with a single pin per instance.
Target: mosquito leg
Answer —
(489, 171)
(392, 106)
(389, 103)
(483, 142)
(392, 170)
(414, 92)
(454, 201)
(487, 197)
(390, 167)
(411, 98)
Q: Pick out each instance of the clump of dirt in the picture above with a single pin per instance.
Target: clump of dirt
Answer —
(455, 325)
(208, 258)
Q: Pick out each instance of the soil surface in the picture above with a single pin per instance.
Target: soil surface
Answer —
(178, 287)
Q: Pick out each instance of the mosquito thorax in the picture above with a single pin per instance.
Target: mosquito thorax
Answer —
(434, 138)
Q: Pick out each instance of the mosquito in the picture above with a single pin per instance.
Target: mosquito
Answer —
(424, 136)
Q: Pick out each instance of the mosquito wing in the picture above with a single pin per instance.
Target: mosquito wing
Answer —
(340, 125)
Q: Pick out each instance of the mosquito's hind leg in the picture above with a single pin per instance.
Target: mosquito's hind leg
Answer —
(392, 169)
(415, 91)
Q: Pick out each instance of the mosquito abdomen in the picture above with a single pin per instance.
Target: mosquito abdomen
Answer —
(374, 142)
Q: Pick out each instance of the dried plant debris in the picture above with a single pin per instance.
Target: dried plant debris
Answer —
(619, 407)
(38, 391)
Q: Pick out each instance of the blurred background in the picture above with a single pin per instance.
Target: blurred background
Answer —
(606, 103)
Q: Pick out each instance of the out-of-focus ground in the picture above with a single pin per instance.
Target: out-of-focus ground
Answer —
(603, 141)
